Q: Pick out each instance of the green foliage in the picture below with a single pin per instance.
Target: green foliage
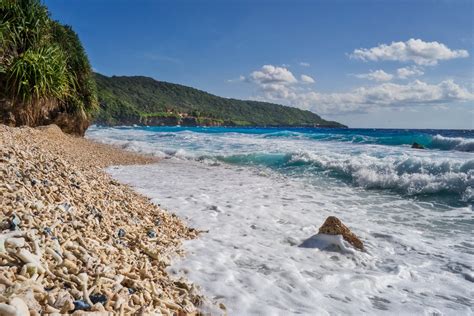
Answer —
(42, 63)
(25, 23)
(124, 100)
(84, 97)
(38, 73)
(160, 114)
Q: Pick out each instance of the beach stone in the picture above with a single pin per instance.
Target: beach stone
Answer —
(98, 298)
(65, 207)
(417, 146)
(151, 233)
(121, 233)
(80, 305)
(38, 205)
(15, 222)
(333, 226)
(47, 231)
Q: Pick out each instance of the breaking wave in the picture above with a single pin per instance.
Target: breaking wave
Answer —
(438, 142)
(452, 143)
(407, 175)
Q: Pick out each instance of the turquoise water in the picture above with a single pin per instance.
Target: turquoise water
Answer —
(460, 140)
(374, 159)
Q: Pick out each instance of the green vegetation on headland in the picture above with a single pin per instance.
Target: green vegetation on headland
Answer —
(141, 100)
(45, 75)
(46, 78)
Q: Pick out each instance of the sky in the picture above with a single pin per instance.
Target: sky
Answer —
(386, 64)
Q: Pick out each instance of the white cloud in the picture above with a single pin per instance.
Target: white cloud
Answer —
(306, 79)
(406, 72)
(270, 74)
(382, 76)
(377, 75)
(240, 79)
(414, 50)
(273, 80)
(278, 84)
(365, 99)
(304, 64)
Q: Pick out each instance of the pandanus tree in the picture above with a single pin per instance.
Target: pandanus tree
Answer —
(45, 75)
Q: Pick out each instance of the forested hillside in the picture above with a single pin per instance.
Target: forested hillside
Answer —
(142, 100)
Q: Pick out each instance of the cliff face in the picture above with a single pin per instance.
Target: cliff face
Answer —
(43, 112)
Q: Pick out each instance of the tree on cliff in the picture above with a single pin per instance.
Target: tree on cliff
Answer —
(45, 75)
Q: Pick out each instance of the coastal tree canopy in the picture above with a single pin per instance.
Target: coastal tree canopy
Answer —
(45, 75)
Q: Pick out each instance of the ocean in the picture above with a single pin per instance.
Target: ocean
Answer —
(259, 193)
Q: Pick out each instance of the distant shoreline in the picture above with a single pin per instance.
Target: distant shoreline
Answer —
(224, 126)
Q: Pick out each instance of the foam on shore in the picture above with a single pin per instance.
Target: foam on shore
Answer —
(256, 256)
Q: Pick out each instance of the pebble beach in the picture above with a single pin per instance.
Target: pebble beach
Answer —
(75, 241)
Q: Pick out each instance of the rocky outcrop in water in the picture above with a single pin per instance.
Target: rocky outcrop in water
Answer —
(333, 226)
(417, 146)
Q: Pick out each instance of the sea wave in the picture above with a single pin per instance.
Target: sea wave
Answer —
(405, 174)
(452, 143)
(438, 142)
(408, 175)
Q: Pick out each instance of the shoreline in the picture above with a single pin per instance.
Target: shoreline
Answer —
(73, 239)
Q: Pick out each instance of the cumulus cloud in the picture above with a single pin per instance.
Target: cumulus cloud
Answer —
(273, 80)
(304, 64)
(280, 85)
(377, 75)
(405, 72)
(413, 50)
(306, 79)
(270, 74)
(366, 99)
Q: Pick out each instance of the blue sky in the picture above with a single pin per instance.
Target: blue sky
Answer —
(366, 63)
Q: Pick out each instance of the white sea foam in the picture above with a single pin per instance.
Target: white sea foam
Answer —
(261, 255)
(404, 173)
(452, 143)
(418, 260)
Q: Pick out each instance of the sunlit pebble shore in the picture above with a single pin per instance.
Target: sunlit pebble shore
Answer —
(73, 240)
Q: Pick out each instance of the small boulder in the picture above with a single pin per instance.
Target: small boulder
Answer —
(417, 146)
(333, 226)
